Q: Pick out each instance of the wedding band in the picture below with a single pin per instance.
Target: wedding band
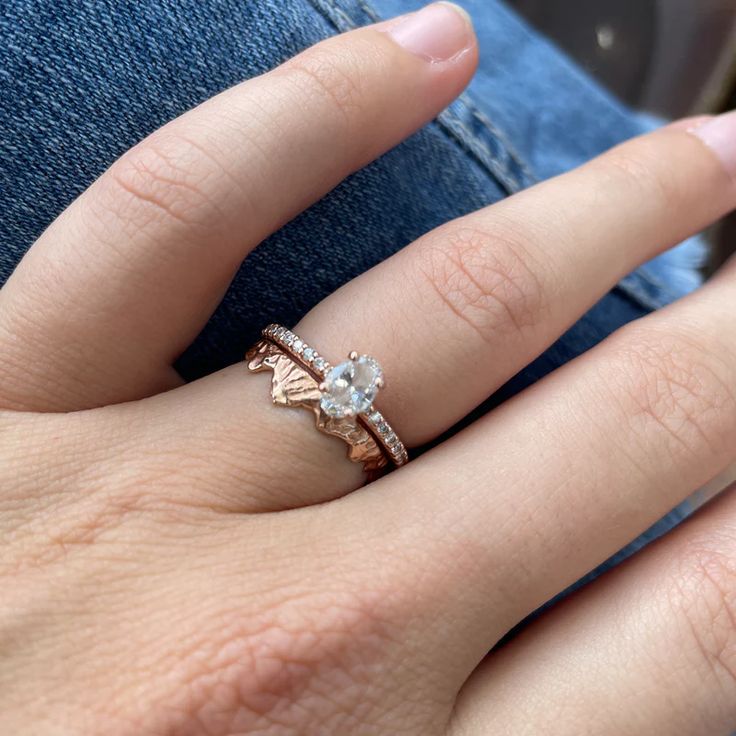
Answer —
(340, 396)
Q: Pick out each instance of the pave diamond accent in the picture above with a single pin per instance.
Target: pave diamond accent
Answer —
(351, 387)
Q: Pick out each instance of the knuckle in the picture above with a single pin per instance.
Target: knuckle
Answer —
(487, 280)
(676, 383)
(164, 179)
(334, 78)
(704, 598)
(638, 165)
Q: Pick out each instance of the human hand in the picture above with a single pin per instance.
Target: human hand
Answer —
(189, 559)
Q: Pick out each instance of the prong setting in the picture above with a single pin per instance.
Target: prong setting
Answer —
(347, 390)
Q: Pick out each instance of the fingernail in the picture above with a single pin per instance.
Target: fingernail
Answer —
(438, 32)
(719, 134)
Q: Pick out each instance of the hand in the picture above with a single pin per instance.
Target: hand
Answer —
(187, 559)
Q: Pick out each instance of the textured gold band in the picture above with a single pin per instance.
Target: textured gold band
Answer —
(298, 372)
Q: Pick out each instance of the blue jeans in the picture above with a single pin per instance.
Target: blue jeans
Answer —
(86, 79)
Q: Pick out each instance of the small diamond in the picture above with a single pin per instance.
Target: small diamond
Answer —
(289, 338)
(308, 354)
(351, 387)
(297, 345)
(319, 364)
(391, 439)
(375, 417)
(382, 429)
(280, 332)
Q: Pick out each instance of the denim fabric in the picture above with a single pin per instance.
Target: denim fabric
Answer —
(83, 80)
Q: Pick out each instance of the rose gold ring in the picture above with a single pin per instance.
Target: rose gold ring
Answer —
(340, 396)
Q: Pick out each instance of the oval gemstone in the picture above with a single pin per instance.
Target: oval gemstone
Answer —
(351, 387)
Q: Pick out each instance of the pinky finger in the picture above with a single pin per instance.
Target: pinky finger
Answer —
(648, 649)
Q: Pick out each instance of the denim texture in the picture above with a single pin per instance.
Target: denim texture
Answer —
(83, 80)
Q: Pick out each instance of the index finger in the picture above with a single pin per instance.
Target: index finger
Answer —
(125, 278)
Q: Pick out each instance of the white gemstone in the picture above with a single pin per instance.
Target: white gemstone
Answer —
(350, 387)
(297, 345)
(308, 354)
(320, 364)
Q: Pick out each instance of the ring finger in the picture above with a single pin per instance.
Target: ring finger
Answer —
(457, 313)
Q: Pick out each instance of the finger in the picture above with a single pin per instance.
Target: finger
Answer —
(120, 284)
(650, 648)
(516, 508)
(454, 315)
(462, 310)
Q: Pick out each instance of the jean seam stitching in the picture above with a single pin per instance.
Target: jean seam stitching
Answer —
(348, 22)
(371, 12)
(470, 141)
(501, 136)
(465, 138)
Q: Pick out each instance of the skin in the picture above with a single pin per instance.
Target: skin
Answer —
(188, 560)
